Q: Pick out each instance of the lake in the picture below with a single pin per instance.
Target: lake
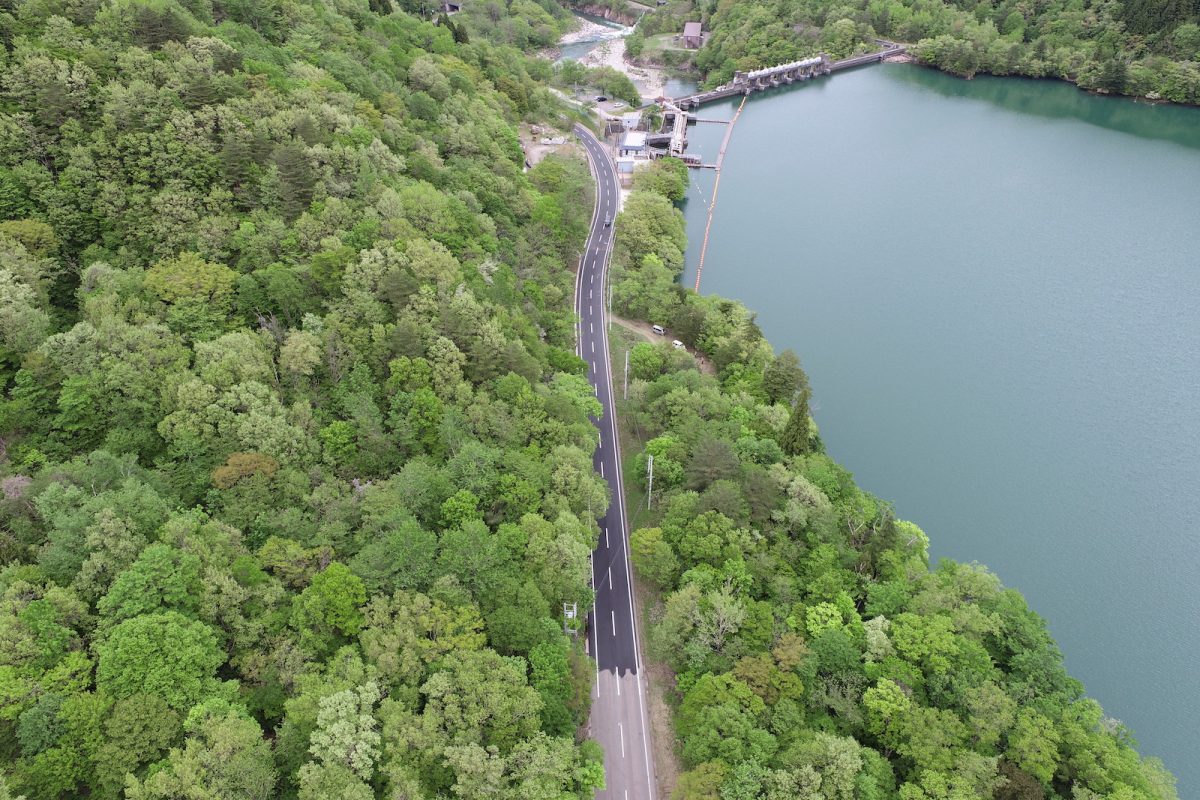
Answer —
(994, 286)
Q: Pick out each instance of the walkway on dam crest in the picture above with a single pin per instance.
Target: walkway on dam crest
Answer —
(758, 80)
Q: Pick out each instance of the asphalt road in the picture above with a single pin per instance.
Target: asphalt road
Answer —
(618, 721)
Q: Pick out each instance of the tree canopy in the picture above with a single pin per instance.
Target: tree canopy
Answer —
(295, 457)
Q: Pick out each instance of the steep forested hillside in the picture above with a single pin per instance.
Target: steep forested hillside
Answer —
(1148, 48)
(294, 453)
(816, 656)
(295, 458)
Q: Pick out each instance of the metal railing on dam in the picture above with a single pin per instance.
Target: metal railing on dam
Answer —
(758, 80)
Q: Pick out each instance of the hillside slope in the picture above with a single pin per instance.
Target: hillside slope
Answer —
(296, 458)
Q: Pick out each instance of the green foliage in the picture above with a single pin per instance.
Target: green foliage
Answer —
(279, 265)
(602, 80)
(665, 176)
(165, 655)
(653, 557)
(224, 756)
(551, 675)
(1141, 47)
(328, 610)
(297, 458)
(161, 579)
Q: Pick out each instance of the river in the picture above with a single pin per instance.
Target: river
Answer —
(591, 33)
(995, 288)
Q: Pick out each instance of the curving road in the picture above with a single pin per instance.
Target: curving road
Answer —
(619, 721)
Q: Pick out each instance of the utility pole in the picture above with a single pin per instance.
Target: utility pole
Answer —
(625, 393)
(649, 480)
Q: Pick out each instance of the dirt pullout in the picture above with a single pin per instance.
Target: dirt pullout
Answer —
(644, 330)
(539, 141)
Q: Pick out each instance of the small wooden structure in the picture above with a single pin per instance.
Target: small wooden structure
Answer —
(693, 35)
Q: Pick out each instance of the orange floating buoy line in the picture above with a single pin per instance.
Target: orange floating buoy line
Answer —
(716, 187)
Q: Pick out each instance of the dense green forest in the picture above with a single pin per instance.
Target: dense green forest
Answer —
(295, 457)
(294, 446)
(1147, 48)
(816, 655)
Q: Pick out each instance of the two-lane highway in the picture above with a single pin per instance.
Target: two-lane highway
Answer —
(618, 719)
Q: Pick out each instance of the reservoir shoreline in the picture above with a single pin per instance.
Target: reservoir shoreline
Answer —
(1053, 417)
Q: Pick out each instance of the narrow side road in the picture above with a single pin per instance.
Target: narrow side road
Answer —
(618, 721)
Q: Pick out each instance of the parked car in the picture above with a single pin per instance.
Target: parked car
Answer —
(678, 345)
(601, 98)
(659, 329)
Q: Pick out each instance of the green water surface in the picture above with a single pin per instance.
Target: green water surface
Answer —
(995, 288)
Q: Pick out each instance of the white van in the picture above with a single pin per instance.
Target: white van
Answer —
(678, 345)
(659, 329)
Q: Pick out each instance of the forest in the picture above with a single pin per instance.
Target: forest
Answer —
(294, 446)
(295, 451)
(815, 653)
(1144, 48)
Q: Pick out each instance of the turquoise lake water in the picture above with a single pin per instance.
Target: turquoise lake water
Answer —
(995, 288)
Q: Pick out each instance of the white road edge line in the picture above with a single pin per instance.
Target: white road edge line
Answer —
(620, 505)
(595, 635)
(620, 495)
